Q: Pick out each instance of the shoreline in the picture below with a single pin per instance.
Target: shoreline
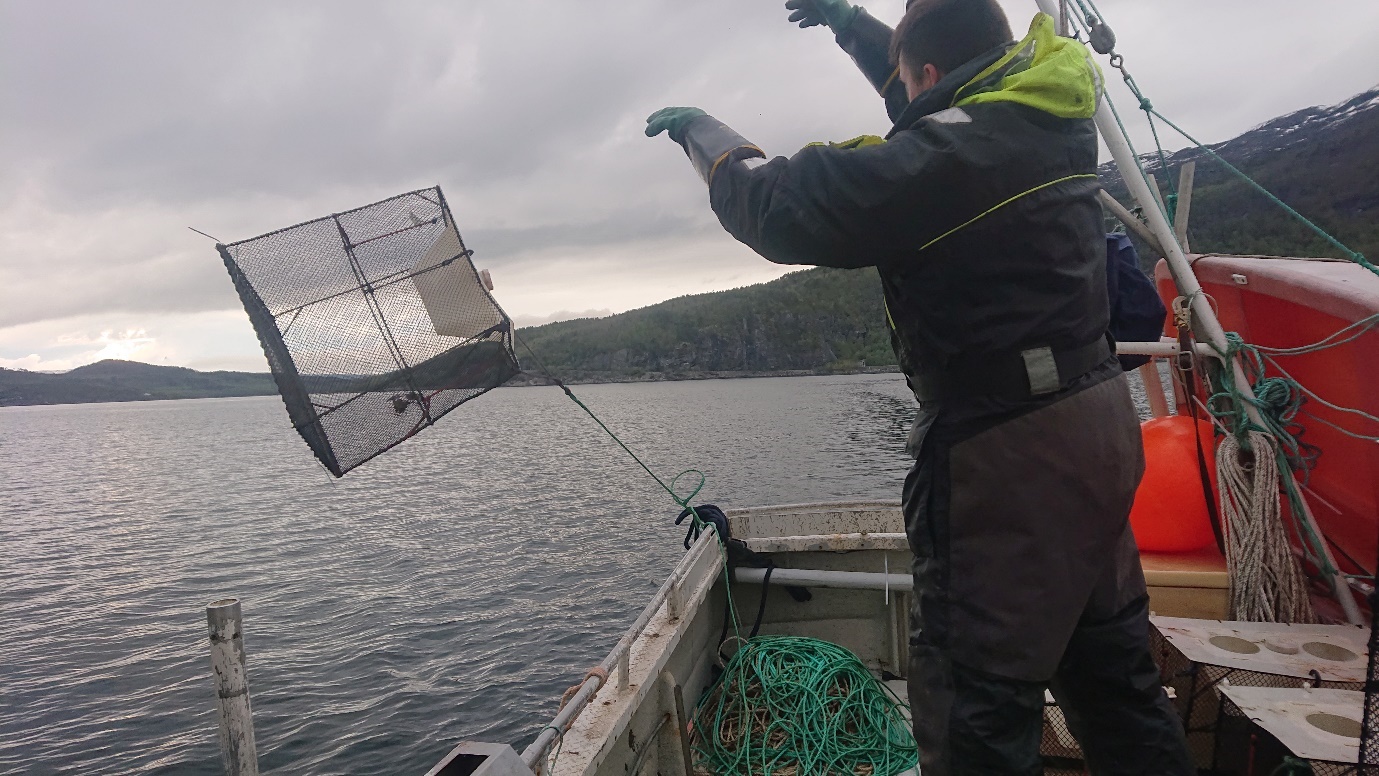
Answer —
(525, 380)
(578, 377)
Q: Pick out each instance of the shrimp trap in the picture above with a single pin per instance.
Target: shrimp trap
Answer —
(374, 321)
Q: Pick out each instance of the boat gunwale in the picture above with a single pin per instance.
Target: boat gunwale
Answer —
(592, 684)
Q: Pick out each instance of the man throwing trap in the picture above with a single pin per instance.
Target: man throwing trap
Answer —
(979, 211)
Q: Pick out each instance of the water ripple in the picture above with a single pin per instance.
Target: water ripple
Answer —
(448, 590)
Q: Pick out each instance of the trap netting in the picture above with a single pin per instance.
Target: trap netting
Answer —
(374, 321)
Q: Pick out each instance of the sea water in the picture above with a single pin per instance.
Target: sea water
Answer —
(448, 590)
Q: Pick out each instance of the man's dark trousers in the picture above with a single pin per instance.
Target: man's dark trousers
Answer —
(1027, 577)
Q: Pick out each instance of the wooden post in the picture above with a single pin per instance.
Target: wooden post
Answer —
(1158, 195)
(675, 754)
(232, 688)
(1180, 215)
(1132, 224)
(1154, 389)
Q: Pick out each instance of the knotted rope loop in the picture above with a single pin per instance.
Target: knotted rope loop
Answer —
(597, 672)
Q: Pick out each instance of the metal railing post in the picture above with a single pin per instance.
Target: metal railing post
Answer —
(232, 688)
(1204, 321)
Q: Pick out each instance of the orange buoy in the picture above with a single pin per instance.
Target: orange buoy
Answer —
(1170, 512)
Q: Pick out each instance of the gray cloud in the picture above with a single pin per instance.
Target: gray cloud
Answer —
(126, 122)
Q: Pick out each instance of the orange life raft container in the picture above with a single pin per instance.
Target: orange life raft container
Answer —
(1171, 512)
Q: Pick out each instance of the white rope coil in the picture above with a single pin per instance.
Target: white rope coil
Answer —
(1266, 583)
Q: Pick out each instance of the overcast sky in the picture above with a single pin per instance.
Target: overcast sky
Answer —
(123, 123)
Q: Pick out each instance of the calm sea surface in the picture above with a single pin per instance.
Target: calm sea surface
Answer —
(450, 589)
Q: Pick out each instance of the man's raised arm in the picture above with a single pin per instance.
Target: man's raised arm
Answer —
(852, 205)
(865, 38)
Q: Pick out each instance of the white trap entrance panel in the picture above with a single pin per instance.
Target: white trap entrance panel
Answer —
(1319, 725)
(1338, 653)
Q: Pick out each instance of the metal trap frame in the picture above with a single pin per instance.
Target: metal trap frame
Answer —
(374, 322)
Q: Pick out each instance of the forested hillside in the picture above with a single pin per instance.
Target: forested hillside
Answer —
(113, 380)
(1324, 161)
(808, 320)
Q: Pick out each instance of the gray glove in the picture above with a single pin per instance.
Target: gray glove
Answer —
(837, 14)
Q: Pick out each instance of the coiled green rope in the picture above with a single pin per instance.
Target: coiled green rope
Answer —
(792, 706)
(1278, 400)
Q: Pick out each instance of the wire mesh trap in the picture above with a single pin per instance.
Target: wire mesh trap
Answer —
(1198, 658)
(374, 321)
(1292, 731)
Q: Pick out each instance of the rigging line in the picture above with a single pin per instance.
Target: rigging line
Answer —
(1120, 123)
(1364, 325)
(1118, 62)
(203, 234)
(670, 489)
(1342, 429)
(1354, 256)
(1319, 399)
(683, 502)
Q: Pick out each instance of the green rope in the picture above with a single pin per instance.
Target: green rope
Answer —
(1279, 401)
(791, 705)
(1292, 766)
(820, 710)
(1144, 174)
(1171, 201)
(683, 501)
(1282, 397)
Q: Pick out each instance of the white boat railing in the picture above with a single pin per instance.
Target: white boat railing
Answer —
(1164, 348)
(617, 663)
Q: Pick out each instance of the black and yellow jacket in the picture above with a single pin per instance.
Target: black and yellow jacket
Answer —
(978, 209)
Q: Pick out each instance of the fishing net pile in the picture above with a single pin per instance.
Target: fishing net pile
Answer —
(374, 321)
(790, 706)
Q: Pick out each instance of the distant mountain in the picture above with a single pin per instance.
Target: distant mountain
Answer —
(1323, 161)
(113, 380)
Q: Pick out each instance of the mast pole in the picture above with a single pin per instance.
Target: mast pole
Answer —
(1204, 321)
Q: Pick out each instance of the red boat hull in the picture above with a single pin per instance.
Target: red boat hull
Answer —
(1284, 303)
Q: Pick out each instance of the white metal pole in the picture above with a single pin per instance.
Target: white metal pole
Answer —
(1205, 323)
(232, 688)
